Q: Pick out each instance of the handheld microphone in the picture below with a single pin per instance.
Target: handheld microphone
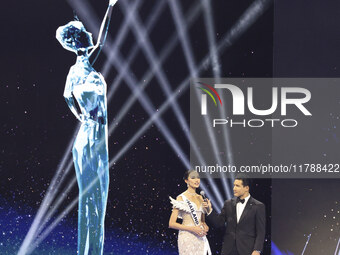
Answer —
(203, 195)
(205, 200)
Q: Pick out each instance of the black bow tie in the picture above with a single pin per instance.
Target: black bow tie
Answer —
(240, 200)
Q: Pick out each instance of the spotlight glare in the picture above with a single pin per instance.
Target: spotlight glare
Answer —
(189, 56)
(145, 81)
(215, 63)
(50, 195)
(141, 35)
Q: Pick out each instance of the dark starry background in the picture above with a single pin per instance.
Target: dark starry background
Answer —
(37, 125)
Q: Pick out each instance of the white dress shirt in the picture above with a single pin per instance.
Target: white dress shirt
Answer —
(240, 208)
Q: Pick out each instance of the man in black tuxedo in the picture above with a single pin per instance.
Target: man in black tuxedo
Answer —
(244, 218)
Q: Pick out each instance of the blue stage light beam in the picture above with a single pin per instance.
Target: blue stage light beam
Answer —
(146, 126)
(121, 37)
(210, 30)
(48, 198)
(57, 202)
(189, 56)
(141, 34)
(192, 15)
(306, 244)
(149, 24)
(251, 14)
(248, 18)
(216, 67)
(337, 250)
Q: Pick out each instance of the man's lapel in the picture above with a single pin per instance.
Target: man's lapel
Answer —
(246, 209)
(234, 209)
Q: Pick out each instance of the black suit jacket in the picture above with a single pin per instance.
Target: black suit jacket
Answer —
(248, 235)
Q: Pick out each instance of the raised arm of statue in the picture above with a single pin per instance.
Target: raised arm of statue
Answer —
(94, 52)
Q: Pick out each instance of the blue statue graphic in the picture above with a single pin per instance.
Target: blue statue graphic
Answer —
(87, 88)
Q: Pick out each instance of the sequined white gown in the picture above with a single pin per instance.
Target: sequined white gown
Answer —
(188, 243)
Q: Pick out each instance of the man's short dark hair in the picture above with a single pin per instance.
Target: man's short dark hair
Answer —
(246, 181)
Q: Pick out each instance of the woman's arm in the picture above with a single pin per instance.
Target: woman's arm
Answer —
(197, 230)
(93, 54)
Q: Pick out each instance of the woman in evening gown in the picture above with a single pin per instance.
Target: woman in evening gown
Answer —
(188, 207)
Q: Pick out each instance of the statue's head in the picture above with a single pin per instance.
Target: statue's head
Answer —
(74, 37)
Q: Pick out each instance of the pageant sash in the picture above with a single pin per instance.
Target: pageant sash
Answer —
(197, 223)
